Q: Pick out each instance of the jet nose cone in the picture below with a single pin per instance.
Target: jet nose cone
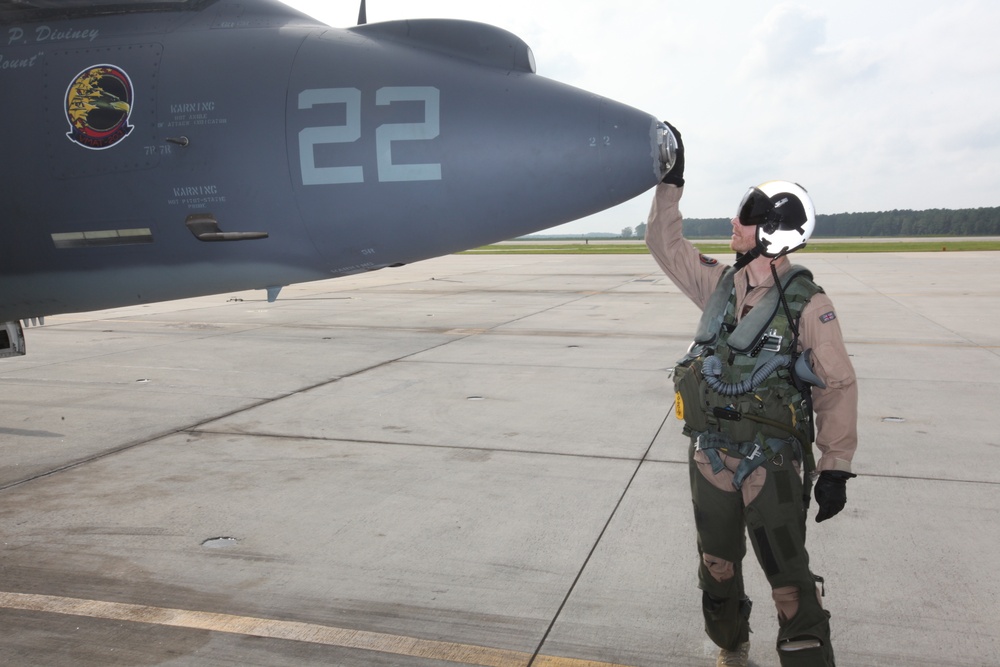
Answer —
(634, 151)
(570, 154)
(667, 146)
(536, 153)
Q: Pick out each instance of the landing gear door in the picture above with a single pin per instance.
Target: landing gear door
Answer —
(11, 339)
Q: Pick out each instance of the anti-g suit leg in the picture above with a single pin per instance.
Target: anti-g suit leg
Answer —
(775, 522)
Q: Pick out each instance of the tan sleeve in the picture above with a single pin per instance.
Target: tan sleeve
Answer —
(692, 272)
(836, 407)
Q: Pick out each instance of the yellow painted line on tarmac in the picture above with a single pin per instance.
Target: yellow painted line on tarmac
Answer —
(463, 654)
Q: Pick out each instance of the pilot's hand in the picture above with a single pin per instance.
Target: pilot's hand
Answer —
(831, 493)
(676, 174)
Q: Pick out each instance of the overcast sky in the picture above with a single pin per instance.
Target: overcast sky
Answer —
(870, 104)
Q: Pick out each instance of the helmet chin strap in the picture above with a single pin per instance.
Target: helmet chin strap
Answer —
(742, 259)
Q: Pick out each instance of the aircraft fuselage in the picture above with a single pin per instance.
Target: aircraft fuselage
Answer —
(155, 155)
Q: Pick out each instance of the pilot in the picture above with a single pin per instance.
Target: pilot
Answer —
(766, 377)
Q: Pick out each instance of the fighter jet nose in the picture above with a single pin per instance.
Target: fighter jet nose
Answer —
(472, 150)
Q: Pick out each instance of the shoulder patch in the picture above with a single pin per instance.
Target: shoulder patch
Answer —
(708, 261)
(828, 317)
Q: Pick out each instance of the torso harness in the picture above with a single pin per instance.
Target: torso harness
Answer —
(743, 388)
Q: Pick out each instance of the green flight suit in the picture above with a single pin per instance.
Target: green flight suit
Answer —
(751, 432)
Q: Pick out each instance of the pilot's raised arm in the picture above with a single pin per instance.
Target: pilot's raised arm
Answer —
(695, 274)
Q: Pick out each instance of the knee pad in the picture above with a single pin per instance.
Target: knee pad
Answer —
(719, 569)
(786, 601)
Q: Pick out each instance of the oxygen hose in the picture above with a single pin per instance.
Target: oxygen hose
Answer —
(712, 370)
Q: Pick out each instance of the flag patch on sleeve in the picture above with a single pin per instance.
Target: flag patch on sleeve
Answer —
(828, 317)
(708, 261)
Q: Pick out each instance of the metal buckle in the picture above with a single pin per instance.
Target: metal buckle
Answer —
(771, 341)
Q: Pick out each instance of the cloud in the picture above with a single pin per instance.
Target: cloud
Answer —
(791, 42)
(790, 38)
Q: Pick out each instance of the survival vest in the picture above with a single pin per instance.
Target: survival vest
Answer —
(735, 388)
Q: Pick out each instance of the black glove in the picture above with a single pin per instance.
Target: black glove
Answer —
(676, 174)
(831, 493)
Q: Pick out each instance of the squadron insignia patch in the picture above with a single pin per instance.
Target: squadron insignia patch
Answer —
(98, 106)
(828, 317)
(708, 261)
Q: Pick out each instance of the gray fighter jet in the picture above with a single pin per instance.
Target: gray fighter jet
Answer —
(164, 149)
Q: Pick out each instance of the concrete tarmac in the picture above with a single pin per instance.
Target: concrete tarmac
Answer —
(472, 461)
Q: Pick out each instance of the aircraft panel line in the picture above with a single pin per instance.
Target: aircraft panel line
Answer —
(194, 427)
(535, 659)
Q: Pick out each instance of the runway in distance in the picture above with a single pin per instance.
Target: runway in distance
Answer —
(172, 149)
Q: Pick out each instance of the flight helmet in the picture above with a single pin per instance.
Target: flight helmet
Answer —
(783, 213)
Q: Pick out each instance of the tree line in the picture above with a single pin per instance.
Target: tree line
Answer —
(932, 222)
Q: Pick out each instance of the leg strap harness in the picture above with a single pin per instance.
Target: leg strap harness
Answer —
(753, 453)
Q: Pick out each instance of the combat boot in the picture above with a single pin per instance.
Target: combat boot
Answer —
(738, 658)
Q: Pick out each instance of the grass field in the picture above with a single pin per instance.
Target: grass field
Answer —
(710, 247)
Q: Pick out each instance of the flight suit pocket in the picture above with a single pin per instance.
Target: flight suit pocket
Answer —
(688, 394)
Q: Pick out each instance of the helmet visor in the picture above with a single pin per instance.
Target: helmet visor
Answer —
(755, 208)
